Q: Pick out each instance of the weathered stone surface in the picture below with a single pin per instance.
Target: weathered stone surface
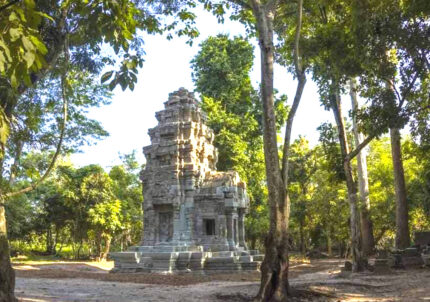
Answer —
(425, 255)
(408, 257)
(422, 239)
(193, 214)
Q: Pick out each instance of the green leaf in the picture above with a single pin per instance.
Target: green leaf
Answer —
(4, 127)
(39, 45)
(13, 80)
(123, 82)
(13, 17)
(14, 33)
(106, 76)
(5, 49)
(30, 4)
(2, 62)
(44, 15)
(113, 83)
(27, 44)
(29, 58)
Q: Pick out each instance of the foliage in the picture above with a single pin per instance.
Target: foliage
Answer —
(221, 74)
(82, 208)
(128, 189)
(319, 209)
(38, 115)
(21, 48)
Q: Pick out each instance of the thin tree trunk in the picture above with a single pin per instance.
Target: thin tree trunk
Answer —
(106, 250)
(363, 182)
(57, 237)
(274, 270)
(7, 274)
(99, 252)
(253, 242)
(78, 255)
(402, 219)
(357, 256)
(49, 240)
(329, 242)
(302, 237)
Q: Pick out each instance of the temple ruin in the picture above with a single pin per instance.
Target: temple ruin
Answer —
(193, 214)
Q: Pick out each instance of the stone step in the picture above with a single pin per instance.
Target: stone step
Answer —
(259, 257)
(426, 259)
(126, 257)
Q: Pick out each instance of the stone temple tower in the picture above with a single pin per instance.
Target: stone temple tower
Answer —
(193, 215)
(186, 202)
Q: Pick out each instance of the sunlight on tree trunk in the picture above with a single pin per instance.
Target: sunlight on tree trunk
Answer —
(7, 274)
(274, 269)
(357, 256)
(363, 182)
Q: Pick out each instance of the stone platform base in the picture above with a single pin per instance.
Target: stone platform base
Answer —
(184, 259)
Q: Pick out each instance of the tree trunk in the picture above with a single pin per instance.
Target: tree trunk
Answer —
(7, 274)
(368, 240)
(358, 261)
(329, 243)
(49, 241)
(302, 237)
(402, 219)
(57, 237)
(274, 269)
(78, 255)
(99, 247)
(252, 242)
(106, 250)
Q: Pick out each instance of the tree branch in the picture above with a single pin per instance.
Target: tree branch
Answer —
(363, 144)
(241, 3)
(408, 89)
(297, 58)
(35, 184)
(301, 77)
(256, 7)
(271, 5)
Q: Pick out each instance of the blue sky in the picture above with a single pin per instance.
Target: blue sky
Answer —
(166, 68)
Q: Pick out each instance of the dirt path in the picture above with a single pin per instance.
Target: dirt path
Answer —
(87, 282)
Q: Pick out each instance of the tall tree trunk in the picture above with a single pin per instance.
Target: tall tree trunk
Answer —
(274, 269)
(358, 261)
(402, 220)
(368, 240)
(7, 274)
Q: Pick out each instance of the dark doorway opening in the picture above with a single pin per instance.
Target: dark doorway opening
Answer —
(209, 226)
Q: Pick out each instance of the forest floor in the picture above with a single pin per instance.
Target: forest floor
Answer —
(318, 280)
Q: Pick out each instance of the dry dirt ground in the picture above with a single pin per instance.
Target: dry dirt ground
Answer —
(319, 280)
